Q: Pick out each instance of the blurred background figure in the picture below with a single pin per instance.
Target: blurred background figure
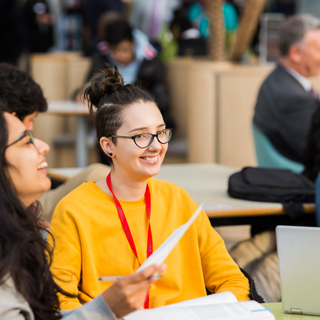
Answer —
(190, 26)
(92, 11)
(151, 16)
(287, 101)
(39, 24)
(188, 37)
(11, 30)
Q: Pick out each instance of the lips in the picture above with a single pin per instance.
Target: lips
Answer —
(151, 159)
(42, 165)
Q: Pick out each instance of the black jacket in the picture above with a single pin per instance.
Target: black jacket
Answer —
(312, 152)
(283, 112)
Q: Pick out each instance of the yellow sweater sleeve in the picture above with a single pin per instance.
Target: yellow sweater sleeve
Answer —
(66, 264)
(220, 271)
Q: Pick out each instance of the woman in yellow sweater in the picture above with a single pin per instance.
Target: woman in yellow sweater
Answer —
(110, 227)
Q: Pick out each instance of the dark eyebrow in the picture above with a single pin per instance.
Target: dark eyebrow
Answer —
(136, 129)
(145, 128)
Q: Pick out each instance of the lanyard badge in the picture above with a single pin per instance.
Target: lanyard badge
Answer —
(126, 227)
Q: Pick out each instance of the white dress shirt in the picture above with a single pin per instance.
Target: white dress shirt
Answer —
(306, 84)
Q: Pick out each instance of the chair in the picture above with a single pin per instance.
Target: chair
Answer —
(268, 156)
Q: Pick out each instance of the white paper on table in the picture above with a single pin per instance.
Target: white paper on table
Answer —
(215, 298)
(245, 310)
(163, 251)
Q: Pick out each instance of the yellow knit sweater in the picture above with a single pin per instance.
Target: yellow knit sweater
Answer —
(90, 243)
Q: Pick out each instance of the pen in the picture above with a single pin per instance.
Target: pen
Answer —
(115, 278)
(259, 310)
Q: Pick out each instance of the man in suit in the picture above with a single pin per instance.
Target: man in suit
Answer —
(286, 101)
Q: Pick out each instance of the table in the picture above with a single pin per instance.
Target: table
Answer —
(72, 108)
(277, 311)
(207, 183)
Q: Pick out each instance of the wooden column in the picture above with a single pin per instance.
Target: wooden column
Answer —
(217, 34)
(247, 27)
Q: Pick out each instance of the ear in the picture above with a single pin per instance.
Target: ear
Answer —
(107, 146)
(295, 53)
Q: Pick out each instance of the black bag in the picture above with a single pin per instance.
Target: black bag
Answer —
(273, 185)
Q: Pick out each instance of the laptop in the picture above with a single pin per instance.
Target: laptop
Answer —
(299, 263)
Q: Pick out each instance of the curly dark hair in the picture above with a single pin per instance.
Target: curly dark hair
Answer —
(118, 31)
(23, 251)
(20, 92)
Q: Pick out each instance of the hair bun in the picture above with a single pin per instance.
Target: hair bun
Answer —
(105, 82)
(116, 86)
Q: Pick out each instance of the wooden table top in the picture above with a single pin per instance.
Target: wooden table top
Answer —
(66, 107)
(207, 183)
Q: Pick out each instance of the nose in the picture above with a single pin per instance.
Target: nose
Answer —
(155, 145)
(41, 146)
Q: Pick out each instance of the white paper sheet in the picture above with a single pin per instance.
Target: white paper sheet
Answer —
(216, 298)
(164, 250)
(230, 311)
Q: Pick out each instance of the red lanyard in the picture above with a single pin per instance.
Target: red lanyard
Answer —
(126, 227)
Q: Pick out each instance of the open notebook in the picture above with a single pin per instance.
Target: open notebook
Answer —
(217, 306)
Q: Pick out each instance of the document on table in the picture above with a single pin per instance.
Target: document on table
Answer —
(219, 306)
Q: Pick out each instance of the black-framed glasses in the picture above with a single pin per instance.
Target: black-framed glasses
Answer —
(26, 134)
(143, 140)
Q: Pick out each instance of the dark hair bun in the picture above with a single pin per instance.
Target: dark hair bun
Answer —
(103, 83)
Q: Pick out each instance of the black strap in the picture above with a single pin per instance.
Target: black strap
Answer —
(254, 295)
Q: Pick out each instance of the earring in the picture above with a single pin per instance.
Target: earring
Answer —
(110, 154)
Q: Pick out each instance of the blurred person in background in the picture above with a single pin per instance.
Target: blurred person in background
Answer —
(151, 16)
(130, 50)
(286, 101)
(92, 13)
(39, 23)
(21, 94)
(11, 31)
(188, 37)
(285, 109)
(190, 26)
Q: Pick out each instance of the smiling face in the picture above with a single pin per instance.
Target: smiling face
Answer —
(26, 162)
(129, 160)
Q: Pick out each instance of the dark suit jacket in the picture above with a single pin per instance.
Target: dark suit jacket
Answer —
(283, 112)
